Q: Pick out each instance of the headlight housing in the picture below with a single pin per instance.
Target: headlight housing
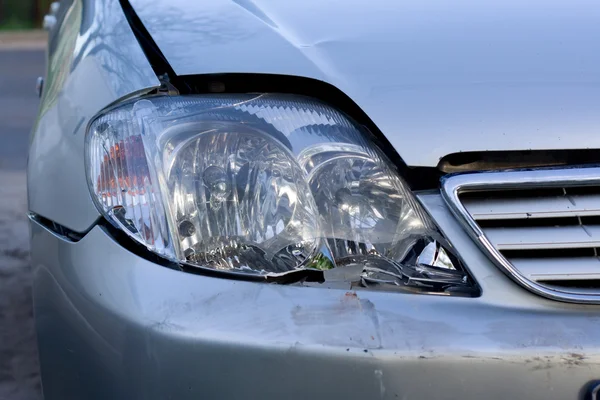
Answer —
(263, 185)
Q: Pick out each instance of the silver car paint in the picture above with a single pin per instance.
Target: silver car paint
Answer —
(113, 325)
(94, 61)
(436, 77)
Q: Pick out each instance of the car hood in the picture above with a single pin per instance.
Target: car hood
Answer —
(436, 77)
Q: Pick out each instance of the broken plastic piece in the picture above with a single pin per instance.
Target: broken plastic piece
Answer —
(432, 269)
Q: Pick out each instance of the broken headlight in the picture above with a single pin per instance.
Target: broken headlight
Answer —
(264, 185)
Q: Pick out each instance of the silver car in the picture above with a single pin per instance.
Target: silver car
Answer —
(262, 199)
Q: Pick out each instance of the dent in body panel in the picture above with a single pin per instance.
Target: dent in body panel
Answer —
(227, 34)
(132, 323)
(95, 62)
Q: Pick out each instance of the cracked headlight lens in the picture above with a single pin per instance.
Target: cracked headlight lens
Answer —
(264, 185)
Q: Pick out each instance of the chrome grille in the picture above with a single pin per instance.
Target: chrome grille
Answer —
(542, 227)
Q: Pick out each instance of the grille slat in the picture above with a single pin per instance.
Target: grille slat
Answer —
(542, 227)
(533, 207)
(560, 268)
(544, 237)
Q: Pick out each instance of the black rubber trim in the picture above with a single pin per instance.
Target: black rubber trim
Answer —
(57, 229)
(472, 161)
(155, 57)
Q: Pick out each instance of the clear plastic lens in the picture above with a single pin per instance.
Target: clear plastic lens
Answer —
(242, 200)
(360, 199)
(265, 185)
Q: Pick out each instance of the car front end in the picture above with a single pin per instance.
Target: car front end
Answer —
(246, 200)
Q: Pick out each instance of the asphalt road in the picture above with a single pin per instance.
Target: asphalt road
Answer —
(19, 372)
(18, 103)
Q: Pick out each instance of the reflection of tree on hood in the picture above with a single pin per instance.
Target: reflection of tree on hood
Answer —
(99, 30)
(200, 26)
(61, 48)
(102, 34)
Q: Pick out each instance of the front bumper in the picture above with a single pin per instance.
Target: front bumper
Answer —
(112, 325)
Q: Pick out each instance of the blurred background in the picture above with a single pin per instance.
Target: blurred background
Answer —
(22, 60)
(22, 14)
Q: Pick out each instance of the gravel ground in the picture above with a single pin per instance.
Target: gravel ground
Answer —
(21, 61)
(19, 374)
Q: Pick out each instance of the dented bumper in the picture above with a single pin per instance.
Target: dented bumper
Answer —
(113, 325)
